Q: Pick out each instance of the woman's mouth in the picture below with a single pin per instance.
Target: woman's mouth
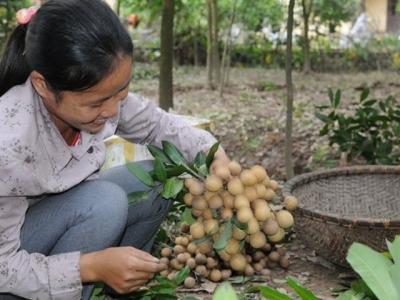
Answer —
(99, 122)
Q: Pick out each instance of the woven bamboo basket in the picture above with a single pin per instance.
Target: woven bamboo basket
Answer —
(341, 206)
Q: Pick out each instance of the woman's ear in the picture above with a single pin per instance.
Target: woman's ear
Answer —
(39, 83)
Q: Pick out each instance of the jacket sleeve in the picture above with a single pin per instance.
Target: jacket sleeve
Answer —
(33, 276)
(142, 122)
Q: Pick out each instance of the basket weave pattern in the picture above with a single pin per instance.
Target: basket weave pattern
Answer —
(345, 205)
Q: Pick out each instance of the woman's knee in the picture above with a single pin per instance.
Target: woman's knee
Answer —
(108, 204)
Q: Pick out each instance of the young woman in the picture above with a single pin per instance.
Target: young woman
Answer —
(64, 87)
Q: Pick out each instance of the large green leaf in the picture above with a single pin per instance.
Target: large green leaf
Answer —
(157, 152)
(139, 195)
(159, 169)
(141, 174)
(200, 159)
(394, 270)
(210, 155)
(225, 292)
(224, 236)
(187, 216)
(182, 274)
(172, 187)
(373, 268)
(272, 294)
(173, 153)
(300, 290)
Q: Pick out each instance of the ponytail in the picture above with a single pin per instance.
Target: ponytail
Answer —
(14, 69)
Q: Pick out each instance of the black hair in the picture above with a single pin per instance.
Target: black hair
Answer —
(73, 44)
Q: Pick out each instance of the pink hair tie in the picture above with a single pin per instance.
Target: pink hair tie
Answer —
(24, 15)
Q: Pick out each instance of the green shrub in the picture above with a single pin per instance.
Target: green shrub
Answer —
(371, 131)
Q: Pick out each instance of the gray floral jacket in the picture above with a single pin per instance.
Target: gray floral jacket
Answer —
(35, 160)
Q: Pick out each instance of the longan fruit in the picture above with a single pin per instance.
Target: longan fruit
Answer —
(238, 262)
(284, 262)
(291, 202)
(284, 219)
(259, 172)
(184, 227)
(244, 214)
(207, 213)
(189, 282)
(234, 167)
(241, 201)
(211, 226)
(257, 240)
(166, 252)
(248, 270)
(213, 183)
(235, 186)
(178, 249)
(248, 177)
(191, 263)
(278, 236)
(270, 227)
(197, 213)
(205, 247)
(215, 202)
(228, 200)
(269, 194)
(200, 259)
(274, 256)
(223, 172)
(215, 275)
(260, 189)
(164, 261)
(196, 188)
(250, 192)
(262, 212)
(273, 184)
(238, 234)
(226, 213)
(201, 270)
(199, 203)
(224, 256)
(197, 230)
(181, 257)
(191, 248)
(232, 246)
(188, 198)
(258, 267)
(211, 262)
(253, 226)
(225, 274)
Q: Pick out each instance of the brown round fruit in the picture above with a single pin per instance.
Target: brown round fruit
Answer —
(238, 262)
(291, 202)
(215, 275)
(166, 252)
(235, 186)
(284, 219)
(189, 282)
(234, 167)
(213, 183)
(259, 172)
(248, 178)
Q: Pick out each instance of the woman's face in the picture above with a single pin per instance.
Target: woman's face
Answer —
(89, 110)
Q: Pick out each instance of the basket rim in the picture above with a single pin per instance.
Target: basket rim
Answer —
(341, 220)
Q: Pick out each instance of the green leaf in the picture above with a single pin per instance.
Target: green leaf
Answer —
(373, 268)
(173, 153)
(364, 95)
(224, 236)
(330, 95)
(272, 294)
(175, 170)
(187, 216)
(172, 187)
(300, 290)
(159, 169)
(348, 295)
(182, 274)
(200, 159)
(225, 292)
(210, 155)
(138, 196)
(324, 118)
(369, 102)
(394, 270)
(141, 174)
(157, 152)
(337, 98)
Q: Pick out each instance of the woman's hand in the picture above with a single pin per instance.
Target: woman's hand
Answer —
(125, 269)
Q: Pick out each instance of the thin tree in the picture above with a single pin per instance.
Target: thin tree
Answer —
(167, 55)
(226, 52)
(213, 62)
(307, 8)
(289, 90)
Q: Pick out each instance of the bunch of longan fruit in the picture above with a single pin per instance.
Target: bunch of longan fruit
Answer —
(234, 204)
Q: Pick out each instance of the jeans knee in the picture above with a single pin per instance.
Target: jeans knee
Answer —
(109, 205)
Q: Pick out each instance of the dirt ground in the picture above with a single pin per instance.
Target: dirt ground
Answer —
(250, 121)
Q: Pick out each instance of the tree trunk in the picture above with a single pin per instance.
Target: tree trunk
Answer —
(209, 45)
(215, 43)
(167, 55)
(289, 90)
(225, 54)
(306, 16)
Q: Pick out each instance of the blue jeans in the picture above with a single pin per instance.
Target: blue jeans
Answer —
(94, 215)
